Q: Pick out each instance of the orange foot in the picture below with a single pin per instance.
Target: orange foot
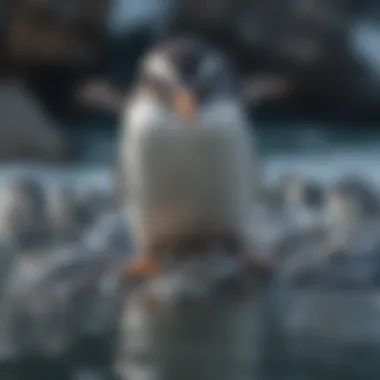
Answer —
(143, 267)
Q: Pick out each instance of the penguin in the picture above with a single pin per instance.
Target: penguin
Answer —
(353, 199)
(23, 218)
(353, 214)
(187, 155)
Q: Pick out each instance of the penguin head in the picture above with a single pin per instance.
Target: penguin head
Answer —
(190, 78)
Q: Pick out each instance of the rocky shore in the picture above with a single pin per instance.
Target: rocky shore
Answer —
(69, 311)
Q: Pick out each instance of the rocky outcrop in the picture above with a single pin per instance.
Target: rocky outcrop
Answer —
(59, 317)
(54, 32)
(307, 54)
(308, 42)
(73, 313)
(26, 131)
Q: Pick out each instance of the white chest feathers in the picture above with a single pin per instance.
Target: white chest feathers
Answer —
(189, 177)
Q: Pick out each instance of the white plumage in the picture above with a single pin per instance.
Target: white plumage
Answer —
(187, 179)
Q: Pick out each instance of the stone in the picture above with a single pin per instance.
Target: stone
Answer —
(50, 32)
(26, 131)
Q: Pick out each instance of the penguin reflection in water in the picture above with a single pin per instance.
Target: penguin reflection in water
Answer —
(187, 158)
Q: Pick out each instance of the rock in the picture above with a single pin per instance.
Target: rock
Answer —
(321, 316)
(99, 93)
(306, 42)
(26, 132)
(130, 16)
(176, 326)
(52, 33)
(63, 215)
(8, 260)
(59, 316)
(110, 235)
(298, 53)
(23, 220)
(350, 273)
(92, 204)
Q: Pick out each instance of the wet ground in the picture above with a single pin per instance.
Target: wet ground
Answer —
(303, 325)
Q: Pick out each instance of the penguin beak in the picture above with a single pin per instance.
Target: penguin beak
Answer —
(185, 105)
(144, 268)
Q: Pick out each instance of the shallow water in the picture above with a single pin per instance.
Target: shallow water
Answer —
(213, 339)
(312, 333)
